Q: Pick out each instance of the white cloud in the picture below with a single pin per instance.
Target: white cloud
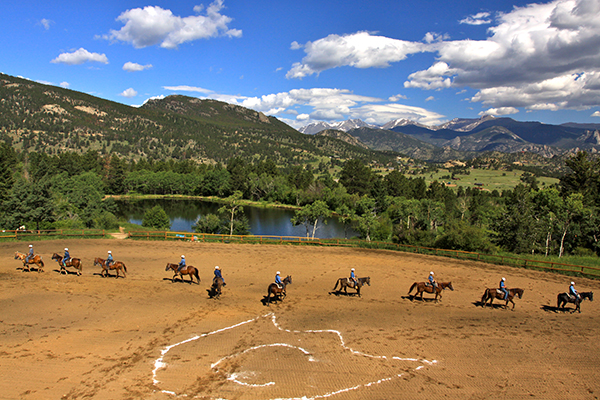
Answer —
(533, 56)
(295, 46)
(135, 67)
(153, 25)
(64, 85)
(186, 88)
(595, 114)
(500, 111)
(46, 23)
(79, 57)
(360, 50)
(128, 93)
(481, 18)
(430, 98)
(397, 97)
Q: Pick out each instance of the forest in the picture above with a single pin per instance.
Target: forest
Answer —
(69, 190)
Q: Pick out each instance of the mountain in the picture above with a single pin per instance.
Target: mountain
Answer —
(40, 118)
(345, 126)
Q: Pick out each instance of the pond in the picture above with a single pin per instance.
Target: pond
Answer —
(263, 221)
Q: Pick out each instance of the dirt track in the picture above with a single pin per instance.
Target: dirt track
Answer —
(76, 337)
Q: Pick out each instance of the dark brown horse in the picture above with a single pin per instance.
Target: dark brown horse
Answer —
(278, 293)
(491, 294)
(188, 270)
(73, 262)
(215, 290)
(117, 265)
(426, 287)
(36, 259)
(563, 298)
(346, 283)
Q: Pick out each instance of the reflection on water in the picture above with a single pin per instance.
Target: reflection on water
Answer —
(263, 221)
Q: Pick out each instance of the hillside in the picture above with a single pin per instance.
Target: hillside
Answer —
(42, 118)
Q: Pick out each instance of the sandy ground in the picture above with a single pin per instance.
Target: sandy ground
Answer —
(145, 337)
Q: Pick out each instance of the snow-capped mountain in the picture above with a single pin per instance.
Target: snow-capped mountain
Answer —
(345, 126)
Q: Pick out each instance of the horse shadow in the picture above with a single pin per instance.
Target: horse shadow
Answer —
(66, 270)
(493, 305)
(557, 309)
(178, 280)
(342, 293)
(413, 297)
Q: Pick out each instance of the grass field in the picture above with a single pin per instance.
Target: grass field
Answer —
(491, 179)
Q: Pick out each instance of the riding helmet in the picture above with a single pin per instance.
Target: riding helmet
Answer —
(217, 267)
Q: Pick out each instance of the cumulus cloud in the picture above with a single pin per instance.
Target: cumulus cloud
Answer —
(595, 114)
(64, 85)
(135, 67)
(500, 111)
(129, 93)
(360, 50)
(154, 25)
(79, 57)
(539, 56)
(481, 18)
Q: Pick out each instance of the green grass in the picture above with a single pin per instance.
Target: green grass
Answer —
(491, 179)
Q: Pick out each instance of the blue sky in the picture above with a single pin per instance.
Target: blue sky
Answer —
(307, 61)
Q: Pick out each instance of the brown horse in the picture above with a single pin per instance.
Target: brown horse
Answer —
(491, 294)
(36, 259)
(426, 287)
(346, 283)
(563, 298)
(278, 293)
(73, 262)
(188, 270)
(117, 265)
(215, 290)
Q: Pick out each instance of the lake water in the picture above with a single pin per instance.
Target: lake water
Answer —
(263, 221)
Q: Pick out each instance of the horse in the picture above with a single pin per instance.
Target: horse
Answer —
(215, 289)
(36, 259)
(277, 292)
(346, 283)
(117, 265)
(491, 294)
(563, 298)
(73, 262)
(188, 270)
(426, 287)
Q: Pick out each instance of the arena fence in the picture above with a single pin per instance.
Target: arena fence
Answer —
(569, 269)
(52, 233)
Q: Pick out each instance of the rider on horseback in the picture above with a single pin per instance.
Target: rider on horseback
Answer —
(573, 292)
(109, 260)
(353, 278)
(503, 287)
(432, 281)
(218, 275)
(278, 280)
(181, 264)
(30, 254)
(67, 257)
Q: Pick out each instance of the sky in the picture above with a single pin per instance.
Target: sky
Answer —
(318, 60)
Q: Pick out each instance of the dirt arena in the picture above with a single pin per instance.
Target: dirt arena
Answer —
(144, 337)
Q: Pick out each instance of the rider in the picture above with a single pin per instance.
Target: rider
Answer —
(432, 281)
(503, 287)
(30, 254)
(67, 257)
(573, 292)
(353, 277)
(278, 280)
(109, 260)
(181, 264)
(218, 275)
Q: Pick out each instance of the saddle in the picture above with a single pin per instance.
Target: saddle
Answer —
(500, 292)
(278, 285)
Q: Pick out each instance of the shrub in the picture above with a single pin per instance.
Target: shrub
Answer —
(157, 218)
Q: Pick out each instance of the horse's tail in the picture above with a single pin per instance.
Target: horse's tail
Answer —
(124, 267)
(484, 297)
(195, 274)
(412, 287)
(336, 284)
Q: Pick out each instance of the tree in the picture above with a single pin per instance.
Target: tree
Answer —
(30, 202)
(209, 223)
(310, 215)
(367, 217)
(232, 208)
(346, 216)
(583, 178)
(356, 177)
(157, 218)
